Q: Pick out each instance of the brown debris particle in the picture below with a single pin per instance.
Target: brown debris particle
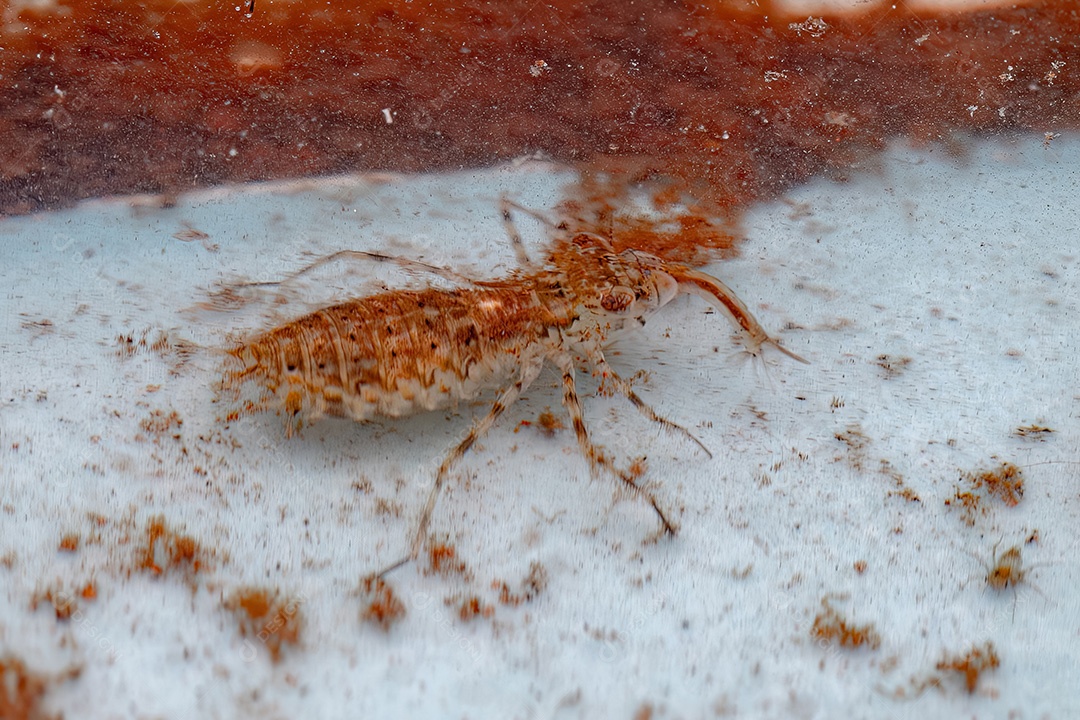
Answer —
(69, 542)
(38, 328)
(891, 365)
(166, 551)
(383, 606)
(159, 424)
(969, 505)
(969, 666)
(531, 587)
(443, 561)
(63, 603)
(189, 234)
(1005, 482)
(266, 618)
(89, 591)
(548, 423)
(1033, 432)
(175, 350)
(22, 690)
(471, 607)
(644, 712)
(902, 489)
(857, 442)
(830, 626)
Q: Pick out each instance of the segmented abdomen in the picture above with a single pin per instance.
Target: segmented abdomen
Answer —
(391, 354)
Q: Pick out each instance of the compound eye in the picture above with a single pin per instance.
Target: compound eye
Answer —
(618, 300)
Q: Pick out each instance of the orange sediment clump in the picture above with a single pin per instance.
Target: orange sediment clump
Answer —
(723, 103)
(444, 560)
(1004, 482)
(969, 666)
(531, 586)
(471, 607)
(382, 607)
(166, 550)
(64, 603)
(549, 423)
(831, 626)
(22, 691)
(267, 619)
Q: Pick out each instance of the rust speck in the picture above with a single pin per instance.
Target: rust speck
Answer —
(531, 586)
(22, 691)
(167, 551)
(267, 619)
(471, 607)
(1033, 432)
(382, 607)
(830, 626)
(444, 561)
(69, 542)
(968, 667)
(548, 423)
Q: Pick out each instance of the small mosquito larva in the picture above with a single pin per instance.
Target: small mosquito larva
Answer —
(401, 352)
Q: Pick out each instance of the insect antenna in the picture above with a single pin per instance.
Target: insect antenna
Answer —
(693, 282)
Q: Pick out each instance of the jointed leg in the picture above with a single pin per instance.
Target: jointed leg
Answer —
(406, 263)
(505, 206)
(595, 454)
(512, 232)
(528, 373)
(609, 375)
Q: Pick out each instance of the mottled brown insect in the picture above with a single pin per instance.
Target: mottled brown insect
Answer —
(406, 351)
(1007, 571)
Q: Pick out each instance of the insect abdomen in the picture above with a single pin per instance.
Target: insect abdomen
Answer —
(391, 354)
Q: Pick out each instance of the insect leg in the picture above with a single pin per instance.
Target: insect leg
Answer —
(530, 369)
(596, 357)
(406, 263)
(594, 453)
(512, 232)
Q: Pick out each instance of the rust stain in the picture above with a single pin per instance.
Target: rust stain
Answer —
(724, 104)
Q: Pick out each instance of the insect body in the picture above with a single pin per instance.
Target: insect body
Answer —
(1007, 571)
(402, 352)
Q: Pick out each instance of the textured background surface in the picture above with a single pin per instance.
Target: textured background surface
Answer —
(731, 101)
